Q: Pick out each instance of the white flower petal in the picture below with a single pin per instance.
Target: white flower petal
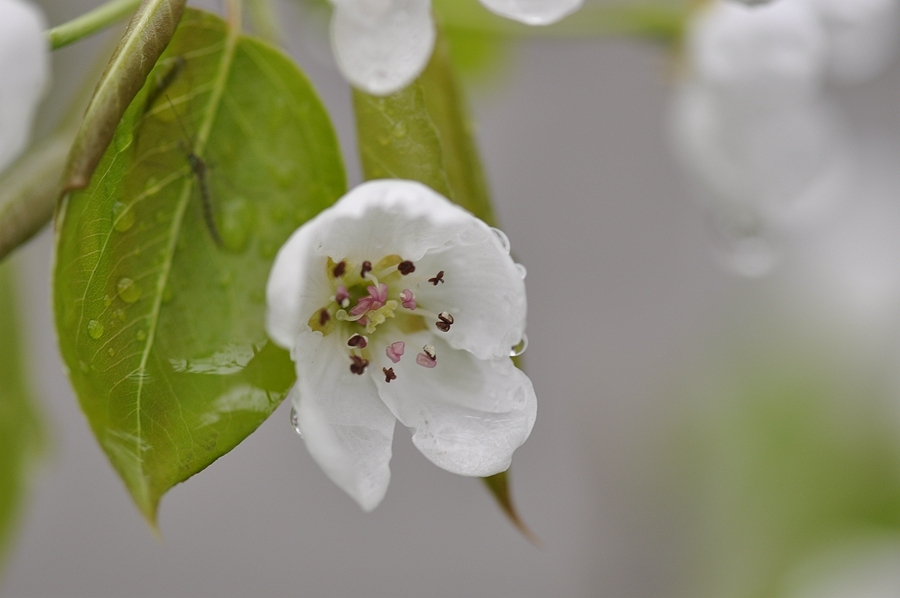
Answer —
(468, 415)
(381, 46)
(533, 12)
(297, 286)
(483, 291)
(24, 69)
(347, 428)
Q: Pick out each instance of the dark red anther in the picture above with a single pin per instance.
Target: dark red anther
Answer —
(406, 267)
(359, 365)
(366, 268)
(324, 316)
(437, 279)
(445, 320)
(389, 374)
(358, 341)
(339, 269)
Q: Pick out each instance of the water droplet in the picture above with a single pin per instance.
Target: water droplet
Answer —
(111, 352)
(95, 329)
(141, 335)
(399, 130)
(107, 300)
(501, 236)
(295, 421)
(520, 348)
(120, 313)
(84, 367)
(123, 217)
(129, 290)
(523, 271)
(237, 220)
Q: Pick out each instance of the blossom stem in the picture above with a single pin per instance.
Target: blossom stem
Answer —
(91, 22)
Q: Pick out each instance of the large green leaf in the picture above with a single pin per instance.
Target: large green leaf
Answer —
(162, 262)
(19, 426)
(424, 133)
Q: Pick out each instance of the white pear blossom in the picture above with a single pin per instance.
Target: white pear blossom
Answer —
(382, 45)
(398, 305)
(24, 69)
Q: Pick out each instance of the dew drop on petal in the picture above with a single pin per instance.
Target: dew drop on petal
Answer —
(95, 329)
(520, 348)
(295, 422)
(523, 272)
(129, 291)
(501, 236)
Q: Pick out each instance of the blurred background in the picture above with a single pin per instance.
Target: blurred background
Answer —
(719, 403)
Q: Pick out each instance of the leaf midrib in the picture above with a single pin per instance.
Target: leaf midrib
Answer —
(209, 113)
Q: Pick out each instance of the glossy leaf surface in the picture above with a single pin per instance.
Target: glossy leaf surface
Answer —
(162, 262)
(20, 433)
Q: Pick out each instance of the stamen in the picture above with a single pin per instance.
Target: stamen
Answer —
(406, 267)
(358, 341)
(389, 374)
(407, 299)
(445, 320)
(324, 316)
(437, 279)
(366, 268)
(359, 365)
(339, 270)
(427, 359)
(394, 351)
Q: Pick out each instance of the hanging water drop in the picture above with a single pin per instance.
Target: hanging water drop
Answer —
(295, 421)
(523, 271)
(501, 236)
(520, 348)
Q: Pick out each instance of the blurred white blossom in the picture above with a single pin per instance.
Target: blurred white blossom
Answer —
(382, 45)
(24, 69)
(397, 304)
(753, 123)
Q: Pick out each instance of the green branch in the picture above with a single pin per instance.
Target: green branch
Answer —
(91, 22)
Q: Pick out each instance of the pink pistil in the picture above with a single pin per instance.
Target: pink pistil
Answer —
(341, 294)
(407, 299)
(394, 351)
(425, 361)
(376, 298)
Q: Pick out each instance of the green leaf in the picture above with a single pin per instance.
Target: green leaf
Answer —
(20, 431)
(162, 262)
(424, 133)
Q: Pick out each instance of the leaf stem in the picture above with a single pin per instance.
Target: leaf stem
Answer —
(90, 22)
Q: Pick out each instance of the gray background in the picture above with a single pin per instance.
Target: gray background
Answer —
(621, 287)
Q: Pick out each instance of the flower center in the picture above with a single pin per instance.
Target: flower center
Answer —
(366, 296)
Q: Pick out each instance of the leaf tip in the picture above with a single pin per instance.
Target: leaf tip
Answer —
(498, 484)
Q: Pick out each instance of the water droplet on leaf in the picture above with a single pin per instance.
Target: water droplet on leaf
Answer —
(123, 217)
(237, 220)
(95, 329)
(129, 291)
(141, 335)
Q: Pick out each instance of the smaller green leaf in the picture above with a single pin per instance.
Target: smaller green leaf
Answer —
(20, 430)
